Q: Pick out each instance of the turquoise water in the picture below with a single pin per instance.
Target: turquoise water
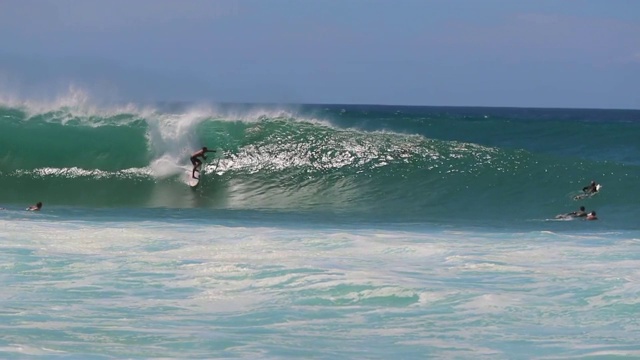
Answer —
(325, 232)
(372, 163)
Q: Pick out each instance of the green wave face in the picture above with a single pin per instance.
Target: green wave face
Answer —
(407, 167)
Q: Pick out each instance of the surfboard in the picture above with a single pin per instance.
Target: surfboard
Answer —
(191, 181)
(563, 217)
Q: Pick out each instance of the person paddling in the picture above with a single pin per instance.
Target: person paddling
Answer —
(592, 188)
(573, 214)
(35, 207)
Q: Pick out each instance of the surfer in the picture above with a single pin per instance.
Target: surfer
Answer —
(35, 207)
(197, 162)
(591, 188)
(592, 216)
(579, 213)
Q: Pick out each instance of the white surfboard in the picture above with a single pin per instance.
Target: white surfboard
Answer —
(191, 181)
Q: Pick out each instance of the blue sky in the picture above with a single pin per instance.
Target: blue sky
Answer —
(524, 53)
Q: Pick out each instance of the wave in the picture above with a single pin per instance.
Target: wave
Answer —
(402, 163)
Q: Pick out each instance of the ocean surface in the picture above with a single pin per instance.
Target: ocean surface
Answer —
(317, 232)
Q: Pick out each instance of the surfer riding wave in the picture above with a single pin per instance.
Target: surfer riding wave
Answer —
(197, 163)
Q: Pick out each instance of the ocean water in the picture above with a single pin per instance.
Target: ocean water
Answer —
(317, 232)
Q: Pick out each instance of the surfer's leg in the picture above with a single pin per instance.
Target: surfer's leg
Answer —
(196, 166)
(194, 162)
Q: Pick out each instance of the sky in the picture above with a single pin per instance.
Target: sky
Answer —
(516, 53)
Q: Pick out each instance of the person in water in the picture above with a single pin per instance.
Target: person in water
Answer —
(578, 213)
(35, 207)
(592, 216)
(197, 162)
(591, 188)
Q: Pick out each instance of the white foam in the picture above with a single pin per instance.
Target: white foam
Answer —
(462, 289)
(73, 104)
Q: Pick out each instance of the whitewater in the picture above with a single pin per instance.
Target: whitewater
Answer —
(318, 231)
